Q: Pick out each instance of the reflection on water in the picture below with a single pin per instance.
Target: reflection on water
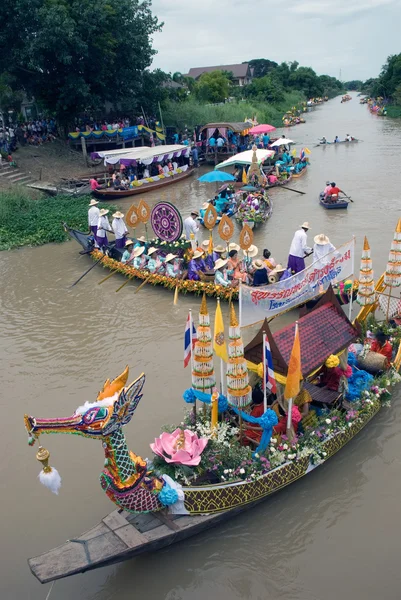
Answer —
(59, 344)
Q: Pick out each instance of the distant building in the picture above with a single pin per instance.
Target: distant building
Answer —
(242, 73)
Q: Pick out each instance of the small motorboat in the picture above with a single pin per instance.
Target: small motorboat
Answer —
(332, 205)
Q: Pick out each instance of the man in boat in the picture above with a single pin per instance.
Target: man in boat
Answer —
(119, 228)
(210, 259)
(94, 184)
(220, 273)
(154, 263)
(332, 195)
(323, 140)
(299, 249)
(93, 217)
(322, 247)
(103, 226)
(327, 188)
(195, 155)
(118, 183)
(260, 276)
(348, 138)
(196, 266)
(140, 258)
(190, 225)
(141, 241)
(127, 256)
(382, 346)
(336, 139)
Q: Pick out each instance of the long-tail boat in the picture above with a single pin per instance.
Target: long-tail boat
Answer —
(191, 484)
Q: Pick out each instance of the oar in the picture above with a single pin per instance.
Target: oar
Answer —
(125, 283)
(143, 283)
(292, 190)
(108, 276)
(348, 197)
(86, 272)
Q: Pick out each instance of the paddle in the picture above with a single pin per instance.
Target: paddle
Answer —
(108, 276)
(86, 272)
(292, 190)
(124, 284)
(348, 197)
(143, 283)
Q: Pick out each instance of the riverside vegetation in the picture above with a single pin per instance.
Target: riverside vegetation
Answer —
(31, 220)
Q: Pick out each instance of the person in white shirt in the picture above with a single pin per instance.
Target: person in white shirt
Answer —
(175, 166)
(322, 248)
(299, 249)
(145, 173)
(103, 226)
(220, 142)
(190, 225)
(93, 218)
(166, 170)
(119, 228)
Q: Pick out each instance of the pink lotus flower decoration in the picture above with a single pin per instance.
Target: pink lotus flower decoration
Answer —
(180, 447)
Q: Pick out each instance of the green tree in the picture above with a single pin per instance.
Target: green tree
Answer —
(306, 80)
(75, 55)
(262, 66)
(354, 84)
(212, 87)
(264, 89)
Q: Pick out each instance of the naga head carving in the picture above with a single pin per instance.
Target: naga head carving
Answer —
(114, 408)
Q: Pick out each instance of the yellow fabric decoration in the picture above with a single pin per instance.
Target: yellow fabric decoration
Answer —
(332, 361)
(294, 369)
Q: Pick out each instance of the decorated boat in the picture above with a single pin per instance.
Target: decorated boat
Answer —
(254, 207)
(352, 141)
(346, 98)
(223, 459)
(332, 205)
(142, 166)
(234, 135)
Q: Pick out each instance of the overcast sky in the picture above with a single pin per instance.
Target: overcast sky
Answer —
(355, 36)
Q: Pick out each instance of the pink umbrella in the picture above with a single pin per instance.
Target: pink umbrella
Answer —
(261, 129)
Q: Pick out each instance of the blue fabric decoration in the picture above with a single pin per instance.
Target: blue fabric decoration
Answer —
(357, 383)
(351, 359)
(267, 421)
(168, 495)
(191, 395)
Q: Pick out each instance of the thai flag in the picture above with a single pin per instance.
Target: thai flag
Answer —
(302, 155)
(187, 339)
(270, 380)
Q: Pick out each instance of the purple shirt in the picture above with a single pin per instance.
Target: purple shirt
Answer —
(194, 266)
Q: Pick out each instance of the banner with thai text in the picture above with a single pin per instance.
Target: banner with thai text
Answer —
(256, 303)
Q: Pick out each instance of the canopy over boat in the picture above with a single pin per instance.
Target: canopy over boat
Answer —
(283, 141)
(144, 155)
(235, 127)
(245, 158)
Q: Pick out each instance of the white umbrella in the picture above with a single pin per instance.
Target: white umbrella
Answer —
(245, 158)
(282, 142)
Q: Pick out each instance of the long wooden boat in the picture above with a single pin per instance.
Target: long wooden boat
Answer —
(354, 141)
(332, 205)
(146, 521)
(300, 174)
(215, 155)
(111, 194)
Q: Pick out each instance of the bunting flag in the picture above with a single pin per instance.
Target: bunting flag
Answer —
(270, 380)
(188, 348)
(294, 374)
(219, 342)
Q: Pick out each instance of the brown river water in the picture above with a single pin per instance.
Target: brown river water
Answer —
(334, 534)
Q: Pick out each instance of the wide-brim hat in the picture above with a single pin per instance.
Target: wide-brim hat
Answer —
(233, 246)
(205, 205)
(141, 239)
(305, 225)
(198, 253)
(118, 215)
(151, 250)
(138, 251)
(103, 211)
(252, 251)
(170, 257)
(220, 262)
(321, 239)
(195, 212)
(259, 264)
(219, 248)
(205, 244)
(129, 243)
(93, 202)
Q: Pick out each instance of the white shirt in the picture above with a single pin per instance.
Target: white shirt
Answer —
(103, 225)
(93, 216)
(119, 228)
(322, 250)
(166, 169)
(220, 142)
(299, 244)
(190, 226)
(146, 173)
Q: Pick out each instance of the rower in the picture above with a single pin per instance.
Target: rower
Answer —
(93, 217)
(323, 140)
(140, 258)
(154, 263)
(119, 228)
(196, 266)
(336, 139)
(220, 273)
(103, 226)
(127, 256)
(299, 249)
(348, 138)
(327, 188)
(333, 192)
(190, 225)
(141, 241)
(172, 266)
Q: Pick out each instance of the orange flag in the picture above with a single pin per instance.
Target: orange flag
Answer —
(294, 369)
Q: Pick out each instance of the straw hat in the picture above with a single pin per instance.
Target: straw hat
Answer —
(129, 243)
(103, 211)
(305, 224)
(233, 246)
(138, 251)
(258, 264)
(251, 252)
(151, 250)
(205, 205)
(118, 215)
(321, 239)
(170, 257)
(220, 262)
(195, 212)
(205, 244)
(198, 253)
(141, 239)
(93, 202)
(219, 249)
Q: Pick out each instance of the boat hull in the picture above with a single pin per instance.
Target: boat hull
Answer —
(300, 174)
(110, 194)
(332, 205)
(121, 536)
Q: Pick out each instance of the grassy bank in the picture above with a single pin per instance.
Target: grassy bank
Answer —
(192, 113)
(394, 111)
(32, 220)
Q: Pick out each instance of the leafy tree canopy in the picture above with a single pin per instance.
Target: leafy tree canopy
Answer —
(212, 87)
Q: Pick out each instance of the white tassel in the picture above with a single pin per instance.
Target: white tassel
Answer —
(51, 479)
